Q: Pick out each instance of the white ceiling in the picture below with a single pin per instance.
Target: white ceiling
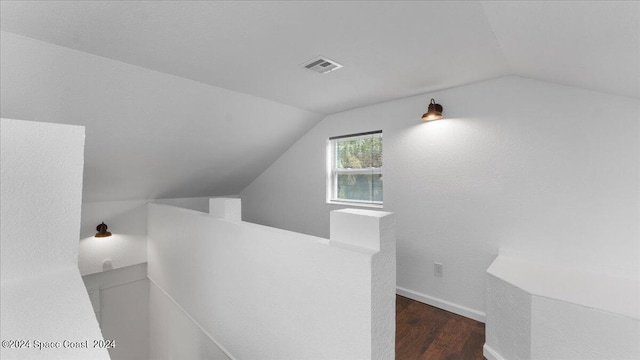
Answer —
(389, 49)
(589, 44)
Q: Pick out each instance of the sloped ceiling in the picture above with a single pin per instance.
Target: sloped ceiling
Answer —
(148, 135)
(589, 44)
(389, 49)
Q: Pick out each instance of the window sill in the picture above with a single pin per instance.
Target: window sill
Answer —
(356, 204)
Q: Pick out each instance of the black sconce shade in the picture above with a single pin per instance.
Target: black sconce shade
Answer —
(434, 112)
(102, 231)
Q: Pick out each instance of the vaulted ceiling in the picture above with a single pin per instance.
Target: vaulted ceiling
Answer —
(389, 49)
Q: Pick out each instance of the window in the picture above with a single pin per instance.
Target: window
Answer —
(355, 168)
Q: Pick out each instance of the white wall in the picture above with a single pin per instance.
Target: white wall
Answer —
(120, 299)
(120, 294)
(548, 170)
(196, 203)
(264, 293)
(174, 334)
(127, 221)
(42, 295)
(542, 311)
(41, 196)
(508, 326)
(562, 330)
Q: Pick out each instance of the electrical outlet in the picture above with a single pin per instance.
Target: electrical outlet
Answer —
(437, 269)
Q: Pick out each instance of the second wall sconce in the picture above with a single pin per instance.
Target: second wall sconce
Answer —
(102, 230)
(434, 112)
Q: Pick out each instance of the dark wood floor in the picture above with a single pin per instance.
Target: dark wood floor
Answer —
(426, 332)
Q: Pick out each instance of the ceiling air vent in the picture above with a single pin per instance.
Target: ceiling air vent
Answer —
(321, 65)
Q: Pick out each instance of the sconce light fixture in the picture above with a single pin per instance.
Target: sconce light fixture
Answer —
(434, 112)
(102, 231)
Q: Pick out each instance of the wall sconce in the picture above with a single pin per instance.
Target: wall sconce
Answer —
(102, 230)
(434, 112)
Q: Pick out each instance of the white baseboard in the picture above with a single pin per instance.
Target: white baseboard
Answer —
(442, 304)
(491, 354)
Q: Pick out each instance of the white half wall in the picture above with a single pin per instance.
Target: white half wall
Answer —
(127, 221)
(542, 311)
(195, 203)
(120, 299)
(43, 301)
(174, 334)
(41, 197)
(548, 170)
(264, 293)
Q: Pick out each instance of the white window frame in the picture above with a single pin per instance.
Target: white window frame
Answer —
(333, 171)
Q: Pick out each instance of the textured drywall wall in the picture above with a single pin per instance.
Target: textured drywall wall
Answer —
(51, 309)
(120, 298)
(294, 296)
(43, 299)
(594, 290)
(560, 330)
(383, 282)
(508, 321)
(41, 196)
(545, 169)
(542, 311)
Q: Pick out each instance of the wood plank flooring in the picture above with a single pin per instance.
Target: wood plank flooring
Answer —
(427, 333)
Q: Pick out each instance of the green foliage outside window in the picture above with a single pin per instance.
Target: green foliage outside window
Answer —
(365, 154)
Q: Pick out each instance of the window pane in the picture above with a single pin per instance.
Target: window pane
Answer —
(360, 187)
(377, 187)
(359, 153)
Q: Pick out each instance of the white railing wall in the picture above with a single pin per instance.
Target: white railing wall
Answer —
(44, 306)
(541, 311)
(265, 293)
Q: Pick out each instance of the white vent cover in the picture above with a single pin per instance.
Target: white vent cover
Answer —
(321, 65)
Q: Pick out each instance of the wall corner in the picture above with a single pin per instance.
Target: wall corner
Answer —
(229, 209)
